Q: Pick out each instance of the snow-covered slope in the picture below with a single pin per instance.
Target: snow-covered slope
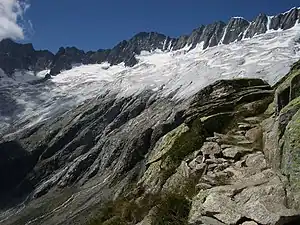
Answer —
(267, 56)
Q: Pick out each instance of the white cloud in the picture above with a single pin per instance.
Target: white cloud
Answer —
(11, 18)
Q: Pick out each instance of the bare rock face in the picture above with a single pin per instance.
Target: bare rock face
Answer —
(64, 59)
(283, 129)
(258, 26)
(290, 18)
(255, 135)
(286, 20)
(14, 56)
(235, 30)
(211, 148)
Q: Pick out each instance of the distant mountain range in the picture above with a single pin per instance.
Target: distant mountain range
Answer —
(14, 56)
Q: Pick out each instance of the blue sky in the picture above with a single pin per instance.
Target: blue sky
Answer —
(94, 24)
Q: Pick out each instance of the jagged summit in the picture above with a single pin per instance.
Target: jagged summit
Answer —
(24, 57)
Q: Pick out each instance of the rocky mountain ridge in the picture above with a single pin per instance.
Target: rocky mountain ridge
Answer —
(15, 56)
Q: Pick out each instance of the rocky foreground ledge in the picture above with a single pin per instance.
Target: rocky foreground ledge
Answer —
(228, 155)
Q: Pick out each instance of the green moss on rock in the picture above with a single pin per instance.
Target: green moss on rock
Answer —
(295, 103)
(188, 142)
(170, 151)
(271, 109)
(290, 163)
(179, 142)
(286, 115)
(166, 144)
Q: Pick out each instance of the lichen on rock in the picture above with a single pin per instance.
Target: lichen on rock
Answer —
(169, 152)
(291, 154)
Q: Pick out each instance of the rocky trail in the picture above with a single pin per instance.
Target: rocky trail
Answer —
(238, 186)
(235, 184)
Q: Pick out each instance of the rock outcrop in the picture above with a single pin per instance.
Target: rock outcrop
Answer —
(284, 129)
(258, 26)
(235, 30)
(285, 20)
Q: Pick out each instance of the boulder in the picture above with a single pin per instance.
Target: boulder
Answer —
(255, 136)
(251, 198)
(249, 223)
(235, 152)
(256, 160)
(211, 148)
(270, 142)
(205, 220)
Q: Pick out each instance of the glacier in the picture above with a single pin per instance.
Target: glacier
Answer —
(177, 74)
